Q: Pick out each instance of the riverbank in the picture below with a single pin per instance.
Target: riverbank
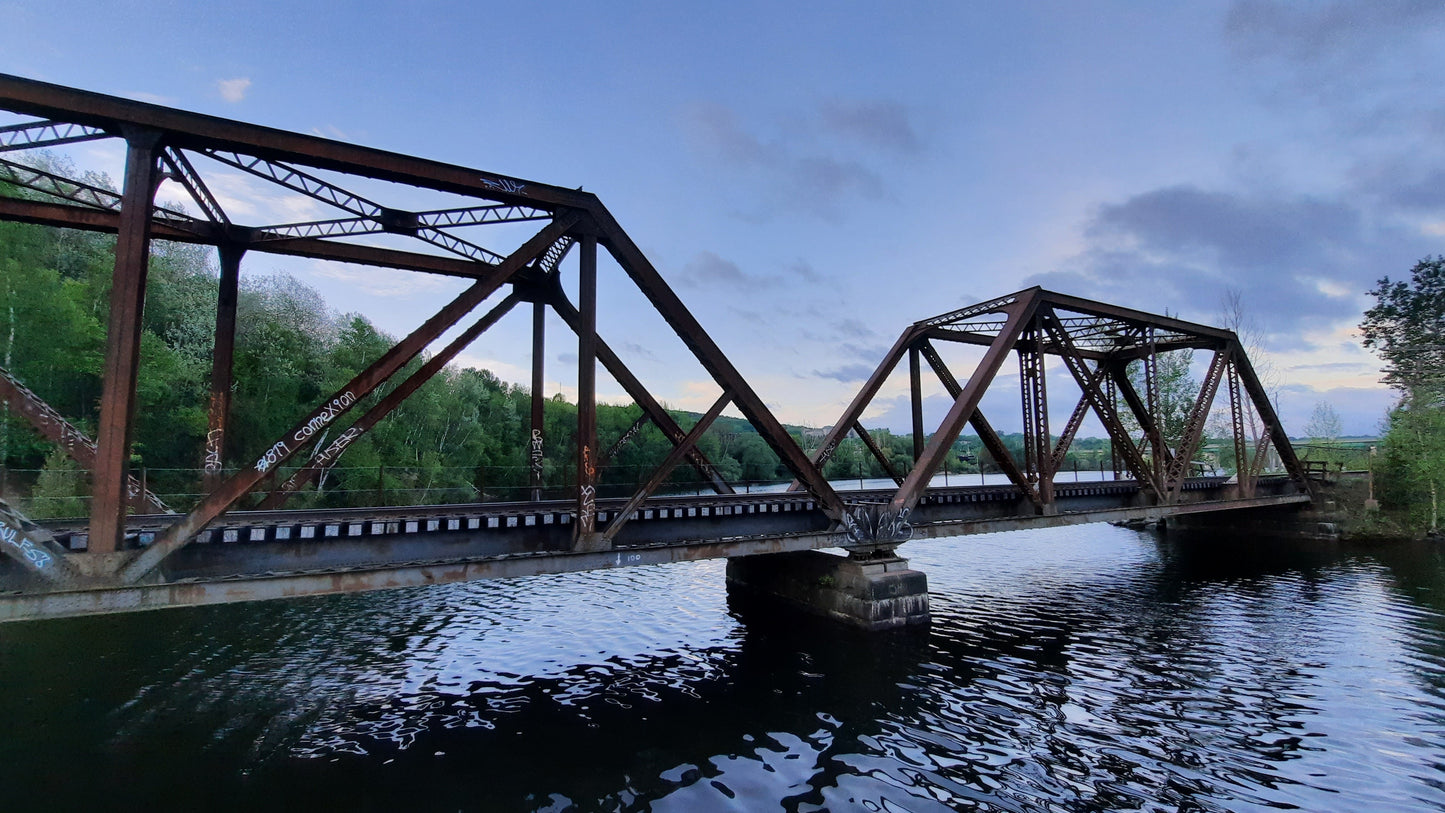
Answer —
(1347, 505)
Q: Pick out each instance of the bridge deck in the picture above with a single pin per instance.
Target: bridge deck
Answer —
(253, 555)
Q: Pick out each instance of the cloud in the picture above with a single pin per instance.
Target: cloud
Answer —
(1301, 262)
(708, 269)
(233, 90)
(848, 373)
(1312, 32)
(876, 123)
(819, 165)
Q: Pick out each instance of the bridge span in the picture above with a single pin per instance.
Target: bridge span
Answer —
(221, 549)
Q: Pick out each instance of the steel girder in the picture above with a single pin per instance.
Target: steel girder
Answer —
(189, 149)
(1096, 342)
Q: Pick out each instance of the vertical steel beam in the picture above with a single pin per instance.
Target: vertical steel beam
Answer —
(650, 406)
(1038, 458)
(1236, 417)
(123, 333)
(538, 439)
(222, 363)
(915, 388)
(587, 392)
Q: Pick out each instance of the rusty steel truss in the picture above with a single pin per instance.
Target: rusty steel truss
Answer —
(187, 149)
(193, 151)
(1097, 343)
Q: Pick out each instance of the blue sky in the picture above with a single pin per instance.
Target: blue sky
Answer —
(813, 179)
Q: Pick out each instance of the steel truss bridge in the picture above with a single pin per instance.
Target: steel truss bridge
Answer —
(131, 554)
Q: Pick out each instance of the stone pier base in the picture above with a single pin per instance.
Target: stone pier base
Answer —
(876, 594)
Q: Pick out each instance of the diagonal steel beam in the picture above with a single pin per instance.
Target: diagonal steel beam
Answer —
(639, 394)
(42, 134)
(623, 439)
(76, 444)
(298, 180)
(58, 186)
(1020, 312)
(1194, 427)
(221, 500)
(1265, 409)
(327, 458)
(187, 177)
(706, 351)
(1145, 418)
(877, 452)
(1076, 418)
(987, 435)
(859, 403)
(668, 464)
(1102, 406)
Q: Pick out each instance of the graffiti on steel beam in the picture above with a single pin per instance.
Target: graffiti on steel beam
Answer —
(213, 451)
(826, 454)
(537, 455)
(273, 455)
(873, 524)
(587, 510)
(504, 185)
(15, 538)
(325, 416)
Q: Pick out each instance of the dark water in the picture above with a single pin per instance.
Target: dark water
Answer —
(1076, 669)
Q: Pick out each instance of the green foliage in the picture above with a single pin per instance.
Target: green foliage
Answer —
(1407, 329)
(1412, 467)
(60, 489)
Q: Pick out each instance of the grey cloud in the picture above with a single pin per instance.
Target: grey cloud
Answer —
(804, 270)
(876, 123)
(1181, 248)
(567, 358)
(798, 172)
(635, 350)
(1321, 30)
(707, 268)
(847, 373)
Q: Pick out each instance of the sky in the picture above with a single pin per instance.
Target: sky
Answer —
(813, 177)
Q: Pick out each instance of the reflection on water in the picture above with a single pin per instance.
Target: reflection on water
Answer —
(1087, 668)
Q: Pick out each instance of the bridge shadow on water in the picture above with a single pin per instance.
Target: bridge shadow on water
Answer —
(1081, 669)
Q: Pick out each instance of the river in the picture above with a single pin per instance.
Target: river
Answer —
(1074, 669)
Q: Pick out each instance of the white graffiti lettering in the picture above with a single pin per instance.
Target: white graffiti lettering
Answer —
(537, 454)
(871, 524)
(327, 414)
(273, 456)
(213, 451)
(15, 539)
(503, 185)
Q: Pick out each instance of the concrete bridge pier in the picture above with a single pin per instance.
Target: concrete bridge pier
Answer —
(873, 592)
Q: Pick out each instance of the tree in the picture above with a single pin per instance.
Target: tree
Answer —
(1177, 392)
(1324, 423)
(1407, 329)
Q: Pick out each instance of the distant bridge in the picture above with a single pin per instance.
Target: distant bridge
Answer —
(117, 561)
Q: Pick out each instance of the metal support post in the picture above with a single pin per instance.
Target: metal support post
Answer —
(915, 386)
(221, 363)
(587, 393)
(122, 355)
(538, 439)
